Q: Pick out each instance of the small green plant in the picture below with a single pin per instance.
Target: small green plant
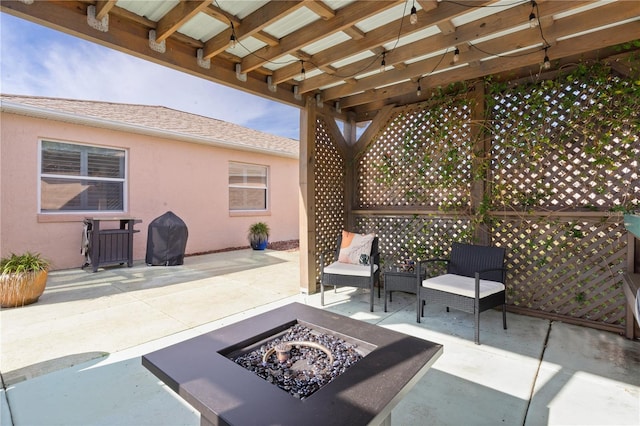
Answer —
(22, 263)
(258, 234)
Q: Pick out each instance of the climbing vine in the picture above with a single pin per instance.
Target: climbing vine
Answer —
(567, 143)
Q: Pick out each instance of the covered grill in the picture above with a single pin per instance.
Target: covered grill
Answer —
(166, 241)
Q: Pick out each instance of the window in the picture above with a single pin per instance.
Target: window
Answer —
(84, 178)
(247, 187)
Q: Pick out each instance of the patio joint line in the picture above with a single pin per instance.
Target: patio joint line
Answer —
(6, 397)
(535, 378)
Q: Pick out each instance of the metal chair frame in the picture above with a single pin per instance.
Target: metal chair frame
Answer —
(340, 280)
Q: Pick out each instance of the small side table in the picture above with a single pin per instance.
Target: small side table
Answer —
(398, 279)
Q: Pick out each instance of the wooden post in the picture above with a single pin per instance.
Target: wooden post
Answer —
(307, 212)
(481, 162)
(350, 175)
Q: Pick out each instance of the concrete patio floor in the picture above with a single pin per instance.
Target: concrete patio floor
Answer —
(74, 357)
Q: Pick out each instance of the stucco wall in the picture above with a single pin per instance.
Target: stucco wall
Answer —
(189, 179)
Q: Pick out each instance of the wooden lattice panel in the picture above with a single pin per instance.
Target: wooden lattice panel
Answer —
(329, 181)
(422, 157)
(551, 156)
(567, 267)
(418, 237)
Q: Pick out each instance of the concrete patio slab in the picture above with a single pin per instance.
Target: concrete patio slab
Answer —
(74, 358)
(596, 374)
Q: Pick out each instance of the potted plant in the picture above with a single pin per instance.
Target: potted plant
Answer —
(259, 235)
(23, 278)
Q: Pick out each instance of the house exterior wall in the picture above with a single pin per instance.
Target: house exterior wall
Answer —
(163, 175)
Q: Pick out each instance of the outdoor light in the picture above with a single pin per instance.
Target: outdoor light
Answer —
(383, 64)
(338, 107)
(233, 40)
(303, 73)
(414, 15)
(419, 91)
(533, 21)
(547, 62)
(456, 55)
(318, 100)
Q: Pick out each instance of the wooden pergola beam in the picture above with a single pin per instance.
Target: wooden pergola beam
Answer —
(252, 24)
(320, 9)
(103, 7)
(623, 34)
(344, 18)
(222, 16)
(557, 30)
(493, 24)
(372, 39)
(132, 37)
(177, 17)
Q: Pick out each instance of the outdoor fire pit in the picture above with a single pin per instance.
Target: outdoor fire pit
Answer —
(234, 375)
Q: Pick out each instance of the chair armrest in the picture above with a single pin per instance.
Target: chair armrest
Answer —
(478, 273)
(426, 261)
(420, 262)
(477, 276)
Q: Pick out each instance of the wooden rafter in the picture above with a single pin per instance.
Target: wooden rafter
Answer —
(252, 24)
(367, 27)
(320, 9)
(479, 53)
(491, 25)
(222, 16)
(103, 7)
(373, 39)
(566, 48)
(344, 18)
(177, 17)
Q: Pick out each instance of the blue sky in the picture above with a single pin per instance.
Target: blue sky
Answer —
(38, 61)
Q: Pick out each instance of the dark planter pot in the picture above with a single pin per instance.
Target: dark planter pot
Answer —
(259, 245)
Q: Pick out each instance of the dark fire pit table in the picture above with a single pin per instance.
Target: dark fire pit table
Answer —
(225, 393)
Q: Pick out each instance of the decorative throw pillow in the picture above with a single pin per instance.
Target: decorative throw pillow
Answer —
(353, 246)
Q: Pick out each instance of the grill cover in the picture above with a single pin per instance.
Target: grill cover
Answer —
(166, 241)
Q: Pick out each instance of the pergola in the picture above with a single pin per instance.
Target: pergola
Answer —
(351, 61)
(262, 46)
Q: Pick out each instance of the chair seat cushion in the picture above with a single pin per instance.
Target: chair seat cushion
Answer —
(339, 268)
(463, 286)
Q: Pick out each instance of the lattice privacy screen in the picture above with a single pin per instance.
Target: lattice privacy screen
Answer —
(552, 151)
(551, 156)
(421, 158)
(329, 180)
(418, 237)
(565, 267)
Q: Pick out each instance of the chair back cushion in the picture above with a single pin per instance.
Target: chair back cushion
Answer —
(353, 246)
(467, 259)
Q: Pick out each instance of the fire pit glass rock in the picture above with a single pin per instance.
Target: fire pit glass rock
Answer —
(301, 361)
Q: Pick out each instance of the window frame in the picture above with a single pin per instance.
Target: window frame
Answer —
(124, 180)
(266, 188)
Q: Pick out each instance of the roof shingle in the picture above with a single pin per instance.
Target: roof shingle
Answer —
(160, 119)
